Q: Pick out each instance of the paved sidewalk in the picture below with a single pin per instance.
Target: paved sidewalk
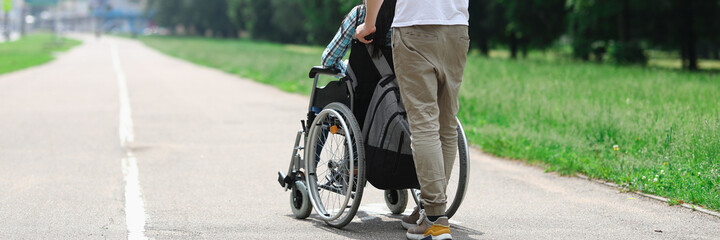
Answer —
(208, 145)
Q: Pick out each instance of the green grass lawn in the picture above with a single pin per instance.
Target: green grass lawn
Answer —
(564, 115)
(656, 58)
(284, 66)
(30, 51)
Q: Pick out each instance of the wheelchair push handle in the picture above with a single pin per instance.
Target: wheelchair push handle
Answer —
(370, 36)
(324, 71)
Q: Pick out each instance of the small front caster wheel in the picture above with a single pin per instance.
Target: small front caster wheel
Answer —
(299, 201)
(396, 200)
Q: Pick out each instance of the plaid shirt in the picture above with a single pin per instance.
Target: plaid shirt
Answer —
(335, 51)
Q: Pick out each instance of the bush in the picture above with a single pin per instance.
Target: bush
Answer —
(628, 53)
(581, 48)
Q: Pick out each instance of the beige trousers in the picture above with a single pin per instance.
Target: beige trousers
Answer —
(429, 64)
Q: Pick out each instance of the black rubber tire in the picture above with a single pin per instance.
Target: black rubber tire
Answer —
(299, 200)
(396, 200)
(464, 170)
(359, 149)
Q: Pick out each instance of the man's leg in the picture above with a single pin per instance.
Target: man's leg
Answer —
(453, 65)
(415, 51)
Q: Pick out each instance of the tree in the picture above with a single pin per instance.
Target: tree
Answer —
(290, 21)
(258, 15)
(533, 23)
(322, 18)
(667, 24)
(683, 26)
(621, 27)
(487, 24)
(198, 17)
(594, 24)
(211, 18)
(236, 11)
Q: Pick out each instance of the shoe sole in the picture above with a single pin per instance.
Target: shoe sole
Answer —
(407, 226)
(444, 236)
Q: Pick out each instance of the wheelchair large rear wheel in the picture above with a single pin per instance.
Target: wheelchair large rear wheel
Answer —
(335, 165)
(458, 182)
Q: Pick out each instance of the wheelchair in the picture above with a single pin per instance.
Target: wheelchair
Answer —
(327, 169)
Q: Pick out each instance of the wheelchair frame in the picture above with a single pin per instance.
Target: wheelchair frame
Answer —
(296, 180)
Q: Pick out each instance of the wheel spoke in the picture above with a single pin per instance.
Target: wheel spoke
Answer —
(332, 189)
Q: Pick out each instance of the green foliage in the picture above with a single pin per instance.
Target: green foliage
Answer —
(594, 21)
(197, 17)
(566, 115)
(487, 24)
(323, 18)
(535, 22)
(519, 23)
(668, 24)
(582, 47)
(287, 21)
(6, 5)
(590, 26)
(258, 15)
(628, 53)
(31, 50)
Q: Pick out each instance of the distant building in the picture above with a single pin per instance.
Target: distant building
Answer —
(117, 16)
(120, 16)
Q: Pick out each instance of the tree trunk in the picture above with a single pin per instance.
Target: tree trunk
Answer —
(580, 46)
(624, 23)
(683, 53)
(513, 45)
(483, 45)
(689, 37)
(692, 53)
(484, 49)
(624, 30)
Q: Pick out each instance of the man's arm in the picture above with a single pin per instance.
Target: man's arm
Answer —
(372, 8)
(335, 51)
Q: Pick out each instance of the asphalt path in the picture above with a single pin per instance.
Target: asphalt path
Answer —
(114, 140)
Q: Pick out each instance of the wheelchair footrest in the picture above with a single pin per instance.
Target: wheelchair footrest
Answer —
(286, 180)
(281, 178)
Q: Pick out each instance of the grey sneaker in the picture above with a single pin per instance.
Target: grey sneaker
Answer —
(427, 230)
(412, 219)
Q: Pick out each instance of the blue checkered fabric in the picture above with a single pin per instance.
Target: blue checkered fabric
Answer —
(335, 51)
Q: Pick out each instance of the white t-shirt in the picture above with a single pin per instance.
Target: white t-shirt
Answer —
(431, 12)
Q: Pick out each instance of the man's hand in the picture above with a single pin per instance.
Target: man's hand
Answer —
(362, 31)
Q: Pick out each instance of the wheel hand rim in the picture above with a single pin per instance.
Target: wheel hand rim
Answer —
(316, 199)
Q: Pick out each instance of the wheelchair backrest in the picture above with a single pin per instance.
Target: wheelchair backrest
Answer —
(365, 73)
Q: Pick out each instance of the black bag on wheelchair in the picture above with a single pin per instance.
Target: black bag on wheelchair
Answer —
(386, 130)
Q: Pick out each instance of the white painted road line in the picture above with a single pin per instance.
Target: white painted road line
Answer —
(126, 123)
(134, 207)
(135, 217)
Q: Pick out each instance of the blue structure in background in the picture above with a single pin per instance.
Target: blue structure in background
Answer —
(121, 16)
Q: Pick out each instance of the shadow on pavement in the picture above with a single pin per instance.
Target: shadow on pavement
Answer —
(381, 226)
